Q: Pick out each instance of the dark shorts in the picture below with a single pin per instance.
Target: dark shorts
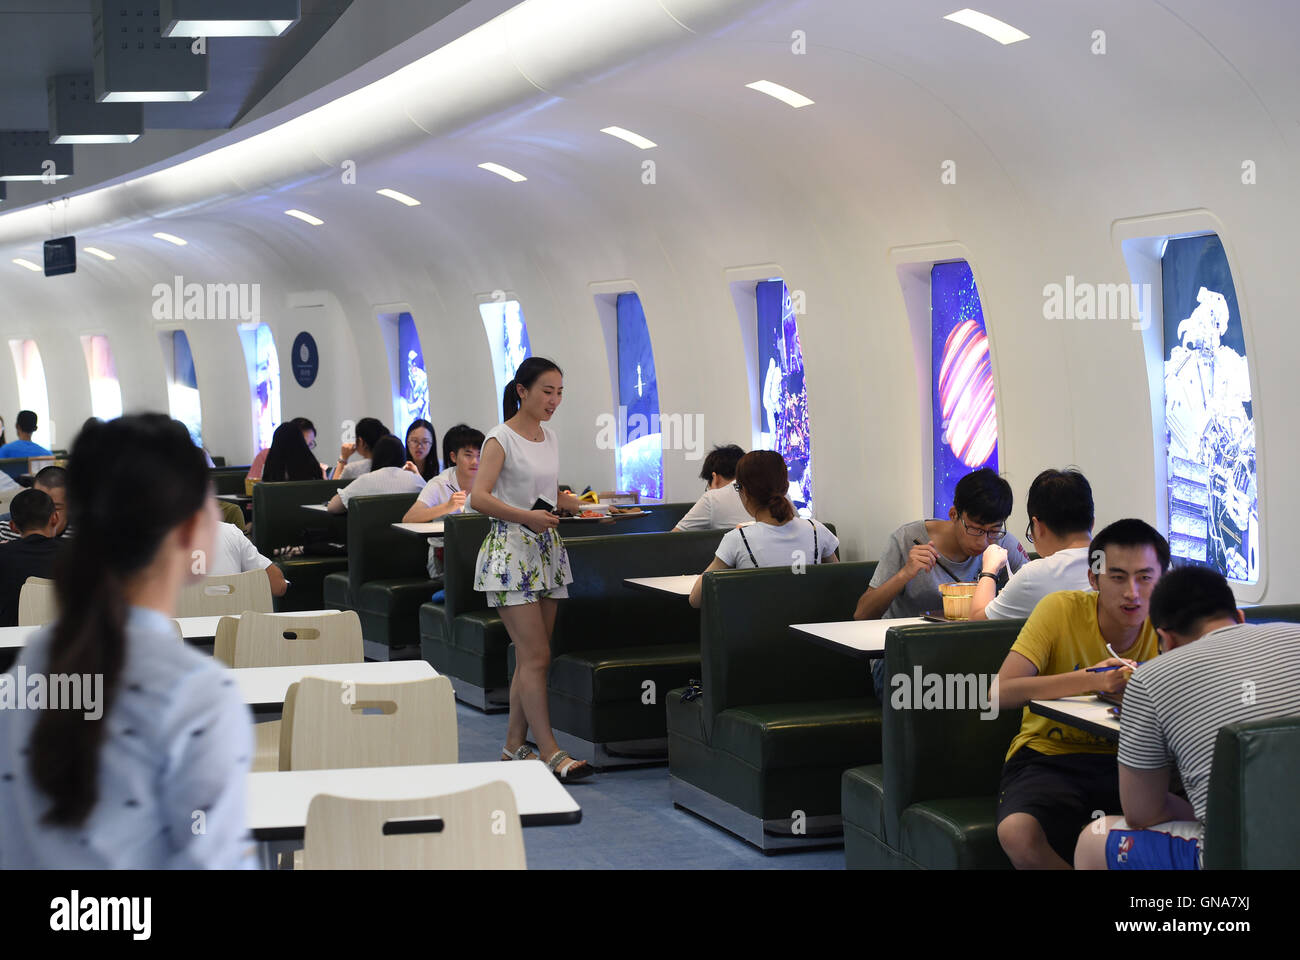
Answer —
(1062, 792)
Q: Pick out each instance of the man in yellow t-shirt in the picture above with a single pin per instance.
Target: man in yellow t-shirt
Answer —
(1055, 776)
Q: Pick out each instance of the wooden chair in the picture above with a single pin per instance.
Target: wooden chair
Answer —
(330, 725)
(36, 603)
(261, 640)
(477, 829)
(219, 596)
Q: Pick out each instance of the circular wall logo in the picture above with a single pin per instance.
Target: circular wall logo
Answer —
(306, 361)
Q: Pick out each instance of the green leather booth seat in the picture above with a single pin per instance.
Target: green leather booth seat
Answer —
(387, 575)
(279, 520)
(228, 479)
(780, 718)
(932, 800)
(464, 639)
(1272, 612)
(610, 641)
(1250, 817)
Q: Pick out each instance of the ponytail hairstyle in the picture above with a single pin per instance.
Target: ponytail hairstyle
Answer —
(764, 478)
(144, 467)
(525, 377)
(387, 452)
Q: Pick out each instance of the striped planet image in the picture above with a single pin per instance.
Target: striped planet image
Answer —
(966, 394)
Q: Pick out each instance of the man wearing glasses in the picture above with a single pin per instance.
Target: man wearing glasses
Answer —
(926, 553)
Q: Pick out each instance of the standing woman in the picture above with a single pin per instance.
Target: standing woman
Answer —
(523, 566)
(422, 448)
(149, 770)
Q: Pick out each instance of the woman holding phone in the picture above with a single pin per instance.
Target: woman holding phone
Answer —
(523, 566)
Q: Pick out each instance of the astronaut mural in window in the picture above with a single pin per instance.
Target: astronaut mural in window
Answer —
(1209, 418)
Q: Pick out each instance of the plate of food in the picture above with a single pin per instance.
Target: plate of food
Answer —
(605, 512)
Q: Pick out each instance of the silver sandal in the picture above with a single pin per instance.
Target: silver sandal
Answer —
(524, 752)
(576, 770)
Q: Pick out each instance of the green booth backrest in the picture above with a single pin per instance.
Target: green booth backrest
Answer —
(603, 611)
(748, 654)
(377, 551)
(279, 519)
(228, 479)
(1274, 612)
(462, 536)
(1250, 817)
(933, 754)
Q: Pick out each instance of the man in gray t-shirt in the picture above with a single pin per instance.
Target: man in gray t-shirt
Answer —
(912, 565)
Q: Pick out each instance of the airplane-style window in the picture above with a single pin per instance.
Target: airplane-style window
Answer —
(507, 334)
(785, 427)
(32, 394)
(412, 400)
(965, 424)
(263, 382)
(641, 456)
(1209, 416)
(105, 392)
(182, 383)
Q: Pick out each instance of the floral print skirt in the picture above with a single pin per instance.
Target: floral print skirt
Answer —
(518, 566)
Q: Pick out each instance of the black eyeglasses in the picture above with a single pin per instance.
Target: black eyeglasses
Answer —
(736, 484)
(1029, 532)
(996, 535)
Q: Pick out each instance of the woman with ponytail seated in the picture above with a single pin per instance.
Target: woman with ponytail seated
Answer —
(149, 769)
(779, 538)
(523, 566)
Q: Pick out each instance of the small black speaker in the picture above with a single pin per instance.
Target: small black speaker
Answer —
(60, 256)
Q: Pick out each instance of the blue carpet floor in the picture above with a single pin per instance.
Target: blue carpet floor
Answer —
(628, 821)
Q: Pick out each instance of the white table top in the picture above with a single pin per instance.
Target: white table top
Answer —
(318, 507)
(1085, 712)
(278, 800)
(424, 529)
(266, 686)
(861, 638)
(192, 628)
(681, 585)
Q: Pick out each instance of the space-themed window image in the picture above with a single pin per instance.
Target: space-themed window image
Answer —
(785, 427)
(641, 456)
(1209, 419)
(965, 427)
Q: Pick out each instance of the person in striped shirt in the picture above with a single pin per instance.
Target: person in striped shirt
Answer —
(1214, 669)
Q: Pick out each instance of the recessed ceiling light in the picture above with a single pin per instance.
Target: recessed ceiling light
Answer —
(305, 217)
(1003, 33)
(511, 175)
(171, 238)
(29, 265)
(228, 28)
(102, 254)
(398, 196)
(633, 138)
(151, 96)
(784, 94)
(96, 138)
